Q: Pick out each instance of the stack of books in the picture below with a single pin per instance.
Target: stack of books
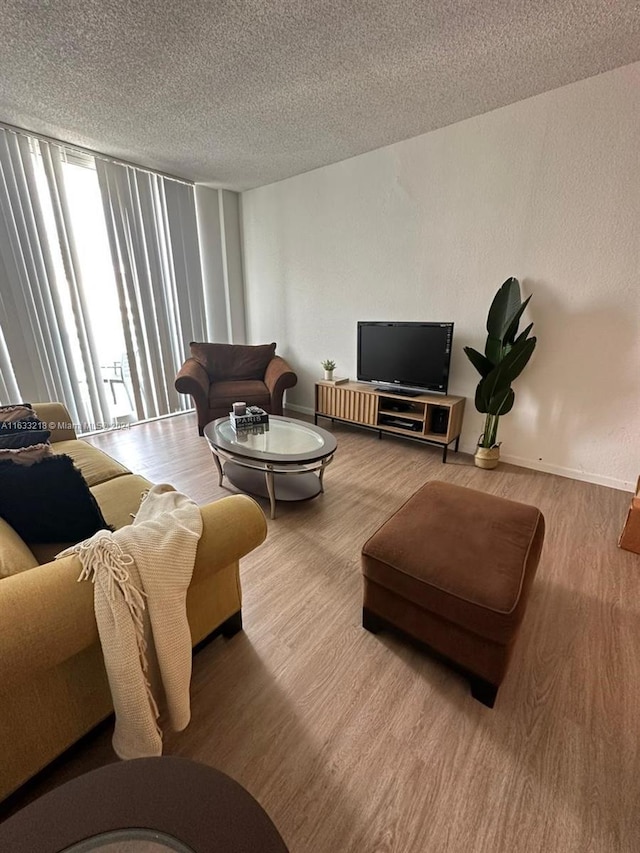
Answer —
(253, 417)
(338, 380)
(243, 433)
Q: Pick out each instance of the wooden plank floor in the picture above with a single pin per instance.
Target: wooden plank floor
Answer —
(355, 742)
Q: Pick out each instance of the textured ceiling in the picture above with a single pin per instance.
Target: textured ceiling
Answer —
(243, 93)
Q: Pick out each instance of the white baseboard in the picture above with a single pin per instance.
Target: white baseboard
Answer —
(305, 410)
(561, 471)
(571, 473)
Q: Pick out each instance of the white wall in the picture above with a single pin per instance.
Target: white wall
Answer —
(547, 190)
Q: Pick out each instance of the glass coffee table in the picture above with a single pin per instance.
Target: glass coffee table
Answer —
(285, 460)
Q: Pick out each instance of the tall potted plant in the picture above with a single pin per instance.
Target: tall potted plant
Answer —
(505, 356)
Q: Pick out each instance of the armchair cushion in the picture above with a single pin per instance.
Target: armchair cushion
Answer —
(233, 362)
(251, 391)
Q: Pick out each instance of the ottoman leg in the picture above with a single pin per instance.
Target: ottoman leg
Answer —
(371, 622)
(483, 691)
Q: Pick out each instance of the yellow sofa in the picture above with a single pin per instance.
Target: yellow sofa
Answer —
(53, 685)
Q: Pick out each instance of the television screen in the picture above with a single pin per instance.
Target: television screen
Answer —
(411, 355)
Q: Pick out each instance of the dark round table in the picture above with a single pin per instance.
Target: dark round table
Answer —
(148, 805)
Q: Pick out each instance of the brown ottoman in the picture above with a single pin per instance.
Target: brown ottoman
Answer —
(453, 569)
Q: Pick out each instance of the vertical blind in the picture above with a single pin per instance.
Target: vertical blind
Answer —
(151, 223)
(48, 327)
(32, 320)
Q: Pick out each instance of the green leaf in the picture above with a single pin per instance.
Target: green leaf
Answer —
(481, 364)
(482, 404)
(512, 329)
(516, 360)
(493, 350)
(502, 403)
(505, 304)
(492, 385)
(499, 380)
(522, 336)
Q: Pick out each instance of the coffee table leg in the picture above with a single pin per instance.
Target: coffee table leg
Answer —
(321, 474)
(219, 467)
(268, 475)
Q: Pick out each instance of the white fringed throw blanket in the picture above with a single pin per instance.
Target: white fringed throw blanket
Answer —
(141, 574)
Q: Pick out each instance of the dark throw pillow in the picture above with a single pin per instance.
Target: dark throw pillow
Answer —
(15, 411)
(48, 501)
(26, 455)
(10, 439)
(21, 427)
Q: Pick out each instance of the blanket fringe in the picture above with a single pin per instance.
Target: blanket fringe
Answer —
(102, 554)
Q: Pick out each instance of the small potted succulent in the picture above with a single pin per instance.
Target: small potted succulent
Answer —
(329, 366)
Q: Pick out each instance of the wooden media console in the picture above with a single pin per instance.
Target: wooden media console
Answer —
(430, 418)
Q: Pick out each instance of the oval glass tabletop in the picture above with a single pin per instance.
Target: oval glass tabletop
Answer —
(130, 841)
(281, 440)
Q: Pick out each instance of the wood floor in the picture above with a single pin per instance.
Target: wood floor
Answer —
(355, 742)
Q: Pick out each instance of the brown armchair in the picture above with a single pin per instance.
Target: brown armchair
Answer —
(218, 375)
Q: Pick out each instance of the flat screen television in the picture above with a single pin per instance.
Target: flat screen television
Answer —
(405, 356)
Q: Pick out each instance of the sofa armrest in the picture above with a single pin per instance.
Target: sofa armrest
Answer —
(46, 617)
(232, 527)
(58, 421)
(278, 377)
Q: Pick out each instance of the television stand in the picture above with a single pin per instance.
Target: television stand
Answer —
(398, 391)
(431, 418)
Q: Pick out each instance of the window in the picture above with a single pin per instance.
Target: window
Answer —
(104, 288)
